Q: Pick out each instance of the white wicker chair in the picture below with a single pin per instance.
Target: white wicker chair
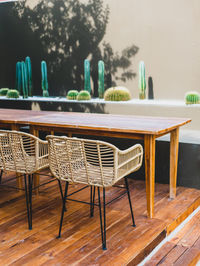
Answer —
(94, 163)
(26, 154)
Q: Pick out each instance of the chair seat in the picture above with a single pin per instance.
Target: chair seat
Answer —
(91, 177)
(27, 166)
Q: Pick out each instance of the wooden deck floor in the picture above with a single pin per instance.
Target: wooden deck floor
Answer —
(81, 241)
(183, 249)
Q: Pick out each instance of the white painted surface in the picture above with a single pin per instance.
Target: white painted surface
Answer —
(167, 34)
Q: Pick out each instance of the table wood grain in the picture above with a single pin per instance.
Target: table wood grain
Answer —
(147, 128)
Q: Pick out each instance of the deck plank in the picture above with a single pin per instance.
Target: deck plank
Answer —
(183, 249)
(81, 241)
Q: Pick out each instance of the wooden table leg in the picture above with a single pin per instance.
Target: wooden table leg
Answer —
(174, 141)
(36, 181)
(149, 151)
(19, 179)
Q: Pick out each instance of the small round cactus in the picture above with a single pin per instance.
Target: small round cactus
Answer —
(72, 95)
(12, 94)
(117, 94)
(83, 95)
(3, 91)
(192, 97)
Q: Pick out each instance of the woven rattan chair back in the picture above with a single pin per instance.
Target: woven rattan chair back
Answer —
(89, 162)
(21, 152)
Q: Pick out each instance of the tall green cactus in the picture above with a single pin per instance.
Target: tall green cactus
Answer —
(24, 80)
(44, 79)
(101, 79)
(18, 83)
(87, 85)
(29, 74)
(142, 81)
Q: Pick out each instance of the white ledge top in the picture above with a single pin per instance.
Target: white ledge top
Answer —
(169, 102)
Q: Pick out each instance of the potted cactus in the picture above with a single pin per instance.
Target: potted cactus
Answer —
(83, 96)
(142, 81)
(117, 94)
(3, 91)
(87, 85)
(101, 79)
(72, 94)
(29, 75)
(24, 80)
(44, 79)
(18, 83)
(192, 97)
(12, 94)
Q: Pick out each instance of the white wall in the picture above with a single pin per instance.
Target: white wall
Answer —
(168, 35)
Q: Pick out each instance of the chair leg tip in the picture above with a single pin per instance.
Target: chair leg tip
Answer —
(58, 237)
(30, 227)
(134, 225)
(104, 248)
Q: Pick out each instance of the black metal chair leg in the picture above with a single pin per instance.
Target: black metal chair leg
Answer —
(129, 199)
(30, 182)
(92, 200)
(103, 227)
(27, 200)
(63, 210)
(61, 193)
(1, 173)
(104, 214)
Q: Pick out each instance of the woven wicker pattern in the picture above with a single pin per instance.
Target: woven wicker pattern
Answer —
(96, 163)
(22, 153)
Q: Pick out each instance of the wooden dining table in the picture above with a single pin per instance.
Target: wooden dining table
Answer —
(145, 128)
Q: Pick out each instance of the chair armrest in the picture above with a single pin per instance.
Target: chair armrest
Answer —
(43, 148)
(133, 153)
(130, 149)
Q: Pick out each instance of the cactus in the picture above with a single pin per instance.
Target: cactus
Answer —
(3, 91)
(24, 80)
(29, 75)
(150, 86)
(192, 97)
(101, 79)
(117, 94)
(12, 94)
(72, 95)
(44, 79)
(83, 95)
(142, 81)
(18, 83)
(87, 85)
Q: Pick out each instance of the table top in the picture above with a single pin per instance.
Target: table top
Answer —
(92, 121)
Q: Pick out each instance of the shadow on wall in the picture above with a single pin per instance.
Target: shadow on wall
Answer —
(63, 33)
(28, 104)
(72, 107)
